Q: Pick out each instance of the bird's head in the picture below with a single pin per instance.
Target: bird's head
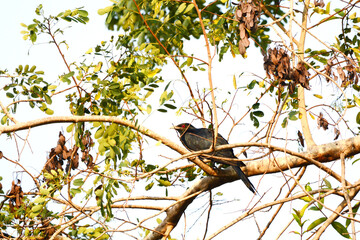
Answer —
(183, 127)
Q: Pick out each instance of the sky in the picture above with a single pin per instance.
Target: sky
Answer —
(82, 37)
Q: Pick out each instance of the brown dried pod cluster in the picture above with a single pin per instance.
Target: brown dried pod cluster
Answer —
(322, 122)
(319, 3)
(348, 77)
(247, 13)
(277, 64)
(352, 76)
(86, 157)
(60, 153)
(47, 229)
(15, 195)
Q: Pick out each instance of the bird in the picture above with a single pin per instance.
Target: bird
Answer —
(197, 139)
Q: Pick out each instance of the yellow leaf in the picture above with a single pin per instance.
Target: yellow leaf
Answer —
(357, 100)
(148, 109)
(23, 25)
(158, 143)
(234, 81)
(262, 84)
(98, 67)
(111, 69)
(89, 51)
(312, 116)
(318, 96)
(300, 115)
(97, 96)
(153, 72)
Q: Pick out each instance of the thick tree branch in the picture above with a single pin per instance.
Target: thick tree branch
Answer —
(74, 119)
(301, 91)
(322, 153)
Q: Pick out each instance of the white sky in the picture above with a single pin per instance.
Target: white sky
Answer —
(14, 50)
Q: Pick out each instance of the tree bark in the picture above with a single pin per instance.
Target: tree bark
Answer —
(321, 153)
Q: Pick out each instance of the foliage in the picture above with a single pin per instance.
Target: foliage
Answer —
(102, 164)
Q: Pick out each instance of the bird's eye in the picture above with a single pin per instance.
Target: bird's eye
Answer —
(183, 126)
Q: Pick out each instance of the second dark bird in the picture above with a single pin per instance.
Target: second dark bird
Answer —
(197, 139)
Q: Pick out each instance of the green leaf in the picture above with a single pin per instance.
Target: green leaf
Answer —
(189, 61)
(48, 111)
(355, 208)
(44, 191)
(258, 113)
(169, 106)
(47, 99)
(315, 223)
(39, 200)
(149, 186)
(9, 95)
(358, 118)
(327, 183)
(340, 229)
(189, 8)
(297, 219)
(165, 183)
(70, 128)
(70, 74)
(37, 208)
(78, 182)
(4, 119)
(292, 115)
(302, 211)
(74, 191)
(99, 133)
(48, 176)
(180, 9)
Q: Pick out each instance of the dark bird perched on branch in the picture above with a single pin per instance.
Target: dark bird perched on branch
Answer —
(197, 139)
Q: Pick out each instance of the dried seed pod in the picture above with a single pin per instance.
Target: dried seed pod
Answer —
(58, 149)
(301, 139)
(61, 140)
(247, 13)
(322, 122)
(337, 133)
(319, 3)
(75, 161)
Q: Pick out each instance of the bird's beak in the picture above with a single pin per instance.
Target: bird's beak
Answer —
(174, 127)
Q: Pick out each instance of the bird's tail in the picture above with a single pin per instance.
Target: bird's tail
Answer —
(245, 179)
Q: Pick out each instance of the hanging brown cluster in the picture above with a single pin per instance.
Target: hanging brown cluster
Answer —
(87, 142)
(47, 229)
(319, 3)
(277, 64)
(350, 78)
(247, 13)
(15, 195)
(301, 138)
(322, 122)
(347, 78)
(60, 153)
